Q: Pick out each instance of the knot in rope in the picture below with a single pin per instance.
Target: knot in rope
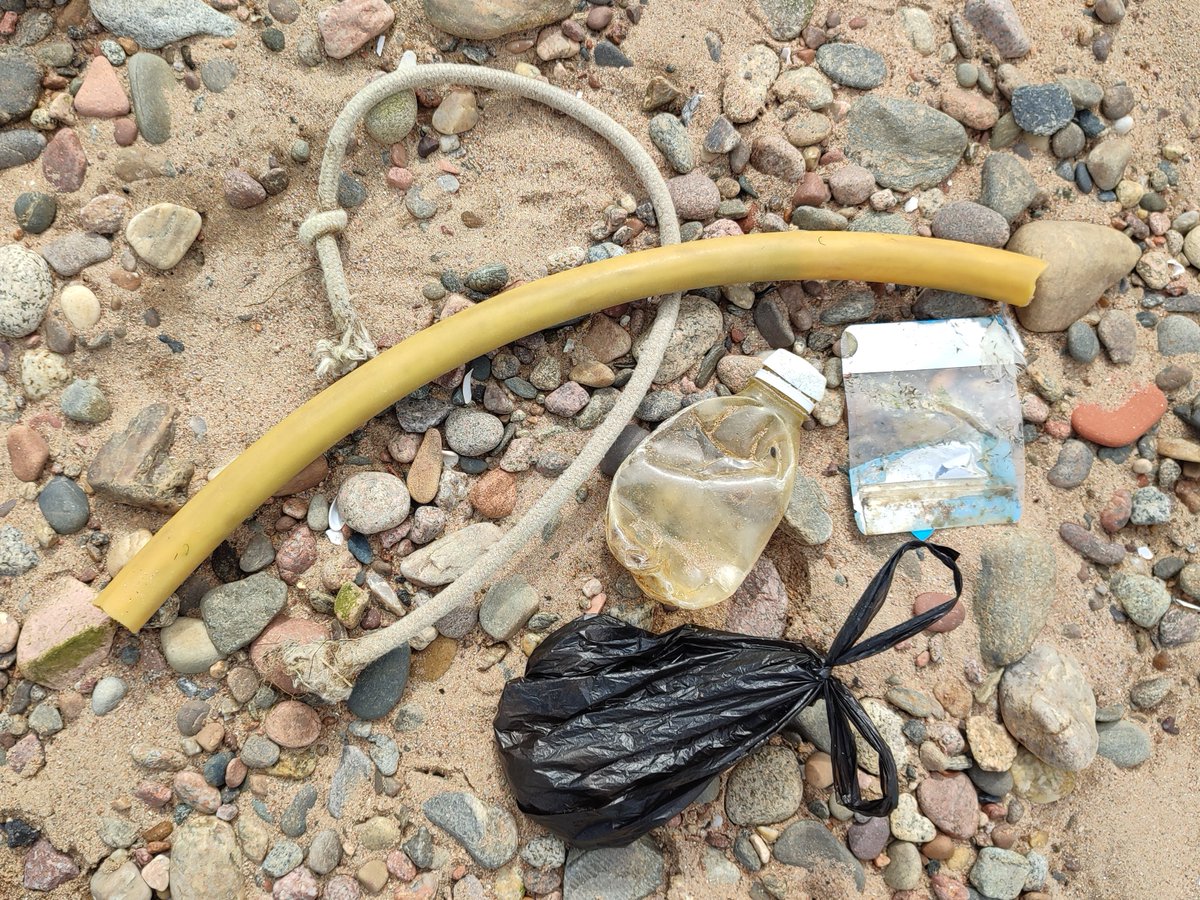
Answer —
(321, 223)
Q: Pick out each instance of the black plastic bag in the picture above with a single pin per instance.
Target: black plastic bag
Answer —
(613, 730)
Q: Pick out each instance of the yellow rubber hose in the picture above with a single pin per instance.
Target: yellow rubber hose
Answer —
(269, 463)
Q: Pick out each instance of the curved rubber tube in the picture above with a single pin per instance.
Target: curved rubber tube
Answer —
(194, 532)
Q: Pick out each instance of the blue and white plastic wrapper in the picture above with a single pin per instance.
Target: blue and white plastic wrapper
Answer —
(935, 424)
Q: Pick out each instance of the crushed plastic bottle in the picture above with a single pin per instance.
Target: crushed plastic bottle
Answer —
(693, 506)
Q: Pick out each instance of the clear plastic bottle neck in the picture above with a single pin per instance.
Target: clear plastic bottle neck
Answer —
(785, 406)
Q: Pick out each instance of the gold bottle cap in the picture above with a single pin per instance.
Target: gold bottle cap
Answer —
(794, 377)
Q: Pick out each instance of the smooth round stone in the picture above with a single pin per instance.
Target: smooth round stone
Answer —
(970, 222)
(351, 192)
(80, 306)
(109, 691)
(83, 402)
(852, 65)
(379, 686)
(1082, 343)
(151, 78)
(371, 502)
(35, 211)
(25, 290)
(473, 432)
(292, 724)
(390, 120)
(64, 505)
(187, 647)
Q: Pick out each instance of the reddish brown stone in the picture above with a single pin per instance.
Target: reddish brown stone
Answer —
(759, 605)
(811, 190)
(27, 452)
(494, 496)
(949, 621)
(949, 802)
(125, 132)
(1124, 425)
(1116, 513)
(292, 724)
(46, 868)
(64, 163)
(296, 554)
(308, 477)
(101, 94)
(1189, 493)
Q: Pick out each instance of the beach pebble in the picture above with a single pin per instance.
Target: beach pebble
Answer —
(999, 874)
(371, 502)
(72, 253)
(998, 22)
(973, 110)
(951, 620)
(1042, 108)
(218, 74)
(107, 693)
(1091, 546)
(1074, 463)
(764, 788)
(852, 65)
(64, 505)
(159, 22)
(292, 724)
(101, 94)
(45, 868)
(746, 88)
(1082, 343)
(347, 26)
(472, 432)
(810, 845)
(163, 233)
(151, 80)
(1150, 507)
(807, 86)
(670, 136)
(903, 143)
(457, 113)
(35, 211)
(241, 190)
(1124, 743)
(494, 495)
(488, 833)
(607, 54)
(635, 870)
(64, 162)
(187, 647)
(19, 146)
(25, 290)
(236, 613)
(695, 195)
(1049, 707)
(852, 185)
(1014, 596)
(1178, 335)
(28, 452)
(970, 222)
(379, 686)
(1006, 186)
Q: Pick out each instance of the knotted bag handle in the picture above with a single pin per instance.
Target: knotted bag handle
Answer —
(842, 710)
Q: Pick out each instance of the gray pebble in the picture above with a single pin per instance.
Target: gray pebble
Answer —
(325, 851)
(1082, 344)
(507, 606)
(64, 505)
(284, 856)
(472, 432)
(259, 752)
(351, 192)
(1118, 334)
(852, 65)
(670, 136)
(854, 308)
(109, 691)
(35, 211)
(294, 821)
(488, 279)
(1073, 465)
(1150, 507)
(82, 401)
(1042, 108)
(1178, 335)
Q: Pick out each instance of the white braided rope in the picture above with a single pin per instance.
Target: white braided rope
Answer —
(329, 668)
